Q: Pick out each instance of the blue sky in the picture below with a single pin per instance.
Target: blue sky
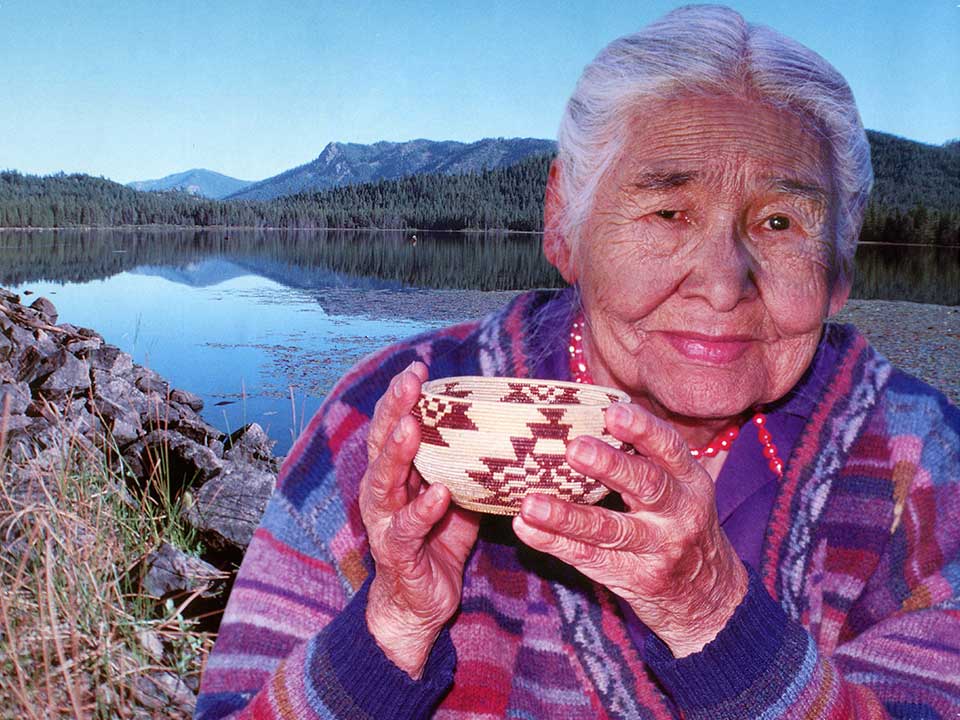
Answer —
(137, 89)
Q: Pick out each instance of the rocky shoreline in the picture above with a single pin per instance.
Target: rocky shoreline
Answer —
(64, 387)
(63, 383)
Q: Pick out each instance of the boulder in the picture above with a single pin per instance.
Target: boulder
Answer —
(19, 443)
(125, 430)
(72, 377)
(194, 402)
(122, 422)
(80, 346)
(150, 382)
(187, 461)
(110, 359)
(19, 335)
(45, 309)
(26, 365)
(227, 509)
(17, 395)
(7, 349)
(252, 445)
(196, 428)
(159, 414)
(45, 342)
(115, 396)
(172, 573)
(75, 419)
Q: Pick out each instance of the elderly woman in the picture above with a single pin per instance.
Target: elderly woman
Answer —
(781, 543)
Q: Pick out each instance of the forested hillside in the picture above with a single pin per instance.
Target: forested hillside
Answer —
(508, 198)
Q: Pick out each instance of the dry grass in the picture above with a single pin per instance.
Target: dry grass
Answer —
(78, 638)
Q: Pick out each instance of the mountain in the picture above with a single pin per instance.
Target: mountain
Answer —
(352, 163)
(204, 183)
(198, 274)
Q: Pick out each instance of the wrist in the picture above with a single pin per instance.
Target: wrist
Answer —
(406, 643)
(709, 615)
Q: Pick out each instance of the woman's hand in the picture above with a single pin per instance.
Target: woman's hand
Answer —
(419, 542)
(667, 556)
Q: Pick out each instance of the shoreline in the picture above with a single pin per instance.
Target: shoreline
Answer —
(184, 228)
(467, 231)
(920, 339)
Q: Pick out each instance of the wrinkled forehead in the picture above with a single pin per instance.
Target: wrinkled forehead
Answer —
(709, 140)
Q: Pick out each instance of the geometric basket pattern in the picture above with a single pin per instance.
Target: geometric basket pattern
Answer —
(494, 440)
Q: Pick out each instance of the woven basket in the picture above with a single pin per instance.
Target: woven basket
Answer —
(493, 440)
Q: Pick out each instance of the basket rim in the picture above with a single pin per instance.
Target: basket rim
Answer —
(426, 390)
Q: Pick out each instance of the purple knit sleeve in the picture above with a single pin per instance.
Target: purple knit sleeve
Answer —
(744, 669)
(351, 673)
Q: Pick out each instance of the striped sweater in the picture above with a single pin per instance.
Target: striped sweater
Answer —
(854, 613)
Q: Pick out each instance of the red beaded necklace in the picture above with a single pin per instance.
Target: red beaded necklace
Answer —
(723, 441)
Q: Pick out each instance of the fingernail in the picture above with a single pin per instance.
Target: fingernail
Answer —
(584, 452)
(618, 414)
(536, 508)
(400, 432)
(434, 498)
(398, 386)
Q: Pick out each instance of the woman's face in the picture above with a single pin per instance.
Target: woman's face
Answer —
(704, 265)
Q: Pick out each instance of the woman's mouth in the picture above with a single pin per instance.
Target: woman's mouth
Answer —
(714, 349)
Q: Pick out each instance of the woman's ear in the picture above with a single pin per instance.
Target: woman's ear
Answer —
(556, 246)
(839, 294)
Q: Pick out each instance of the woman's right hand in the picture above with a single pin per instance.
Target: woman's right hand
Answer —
(418, 539)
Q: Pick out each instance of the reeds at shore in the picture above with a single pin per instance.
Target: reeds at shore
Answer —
(79, 637)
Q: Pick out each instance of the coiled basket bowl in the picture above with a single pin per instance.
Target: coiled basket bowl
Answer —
(493, 440)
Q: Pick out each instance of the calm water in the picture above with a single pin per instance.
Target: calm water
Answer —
(261, 324)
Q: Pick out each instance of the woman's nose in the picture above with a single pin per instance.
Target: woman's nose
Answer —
(722, 270)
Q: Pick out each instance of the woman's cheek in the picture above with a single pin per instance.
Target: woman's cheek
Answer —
(627, 276)
(632, 292)
(796, 294)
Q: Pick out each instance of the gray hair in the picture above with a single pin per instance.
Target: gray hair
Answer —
(710, 49)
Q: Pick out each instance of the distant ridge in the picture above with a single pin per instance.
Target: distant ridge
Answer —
(351, 163)
(200, 182)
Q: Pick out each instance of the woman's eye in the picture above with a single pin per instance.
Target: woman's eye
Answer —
(667, 214)
(778, 222)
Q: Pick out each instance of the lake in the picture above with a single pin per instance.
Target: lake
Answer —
(260, 324)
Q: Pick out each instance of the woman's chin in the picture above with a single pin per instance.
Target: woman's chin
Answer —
(706, 411)
(709, 398)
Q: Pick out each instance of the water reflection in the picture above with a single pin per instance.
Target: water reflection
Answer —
(503, 261)
(389, 259)
(923, 274)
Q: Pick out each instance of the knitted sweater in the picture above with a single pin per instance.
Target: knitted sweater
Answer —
(855, 611)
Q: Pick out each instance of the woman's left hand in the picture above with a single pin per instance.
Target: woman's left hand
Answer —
(667, 555)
